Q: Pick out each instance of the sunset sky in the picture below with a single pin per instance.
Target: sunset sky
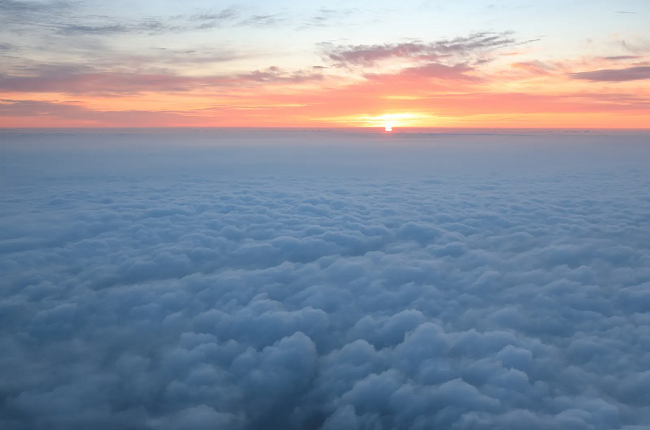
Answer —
(355, 63)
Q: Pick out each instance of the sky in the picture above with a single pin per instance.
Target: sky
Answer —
(355, 63)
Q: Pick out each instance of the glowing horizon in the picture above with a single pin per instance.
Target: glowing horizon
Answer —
(212, 64)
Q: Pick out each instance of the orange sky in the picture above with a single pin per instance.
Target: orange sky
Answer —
(479, 79)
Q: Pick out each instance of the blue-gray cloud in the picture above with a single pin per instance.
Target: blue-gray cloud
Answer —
(636, 73)
(326, 17)
(459, 282)
(75, 79)
(368, 55)
(74, 19)
(263, 20)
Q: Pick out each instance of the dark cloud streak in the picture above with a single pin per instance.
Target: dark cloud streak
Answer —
(369, 55)
(71, 20)
(72, 79)
(327, 17)
(263, 21)
(614, 75)
(622, 57)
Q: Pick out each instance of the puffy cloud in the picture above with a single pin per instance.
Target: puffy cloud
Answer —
(483, 282)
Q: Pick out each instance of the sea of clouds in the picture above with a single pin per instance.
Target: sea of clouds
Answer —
(324, 280)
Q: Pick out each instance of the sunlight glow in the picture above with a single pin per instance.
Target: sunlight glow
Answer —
(387, 121)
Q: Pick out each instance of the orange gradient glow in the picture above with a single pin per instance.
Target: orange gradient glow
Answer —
(516, 94)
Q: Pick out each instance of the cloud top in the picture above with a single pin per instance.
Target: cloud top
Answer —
(332, 281)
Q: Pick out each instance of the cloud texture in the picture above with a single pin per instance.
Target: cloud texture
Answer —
(615, 75)
(460, 47)
(480, 287)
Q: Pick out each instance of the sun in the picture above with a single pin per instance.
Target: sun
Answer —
(388, 128)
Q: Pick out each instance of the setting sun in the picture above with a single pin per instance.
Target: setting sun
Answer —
(388, 128)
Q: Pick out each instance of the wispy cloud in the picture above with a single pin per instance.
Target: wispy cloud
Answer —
(72, 19)
(263, 20)
(622, 57)
(88, 81)
(638, 46)
(275, 74)
(17, 15)
(213, 19)
(327, 16)
(615, 75)
(177, 24)
(369, 55)
(13, 7)
(95, 30)
(223, 15)
(421, 74)
(82, 115)
(534, 67)
(71, 79)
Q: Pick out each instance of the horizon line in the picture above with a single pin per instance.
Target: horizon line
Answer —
(300, 128)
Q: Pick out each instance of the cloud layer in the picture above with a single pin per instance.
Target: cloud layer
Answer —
(360, 283)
